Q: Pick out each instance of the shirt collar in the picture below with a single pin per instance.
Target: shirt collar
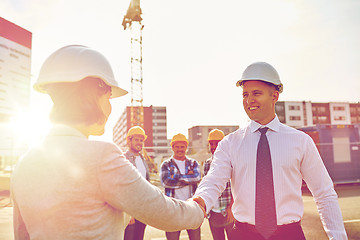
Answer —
(186, 158)
(131, 154)
(274, 125)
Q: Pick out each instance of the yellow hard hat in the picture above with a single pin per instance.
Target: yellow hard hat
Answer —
(136, 130)
(179, 138)
(216, 134)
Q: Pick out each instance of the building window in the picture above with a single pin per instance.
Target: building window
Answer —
(322, 109)
(291, 107)
(320, 119)
(159, 130)
(281, 118)
(159, 117)
(159, 124)
(295, 118)
(323, 119)
(319, 109)
(339, 118)
(159, 110)
(339, 108)
(160, 137)
(162, 151)
(279, 108)
(161, 144)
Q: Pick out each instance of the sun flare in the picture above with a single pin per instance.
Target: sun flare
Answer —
(30, 127)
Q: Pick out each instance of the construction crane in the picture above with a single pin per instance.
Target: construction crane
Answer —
(132, 20)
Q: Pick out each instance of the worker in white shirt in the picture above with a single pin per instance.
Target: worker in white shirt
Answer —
(266, 162)
(135, 139)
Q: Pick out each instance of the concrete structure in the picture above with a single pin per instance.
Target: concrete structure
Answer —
(155, 128)
(302, 114)
(198, 136)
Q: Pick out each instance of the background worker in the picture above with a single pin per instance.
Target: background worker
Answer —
(220, 216)
(180, 175)
(70, 187)
(266, 162)
(135, 139)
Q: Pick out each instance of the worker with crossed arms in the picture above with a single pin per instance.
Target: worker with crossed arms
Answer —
(180, 176)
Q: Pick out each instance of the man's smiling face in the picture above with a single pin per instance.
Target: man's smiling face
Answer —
(259, 100)
(179, 149)
(136, 143)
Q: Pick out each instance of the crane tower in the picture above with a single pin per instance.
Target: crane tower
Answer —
(132, 20)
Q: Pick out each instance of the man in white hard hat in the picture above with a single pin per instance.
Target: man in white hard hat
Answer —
(135, 139)
(220, 217)
(180, 176)
(70, 187)
(266, 162)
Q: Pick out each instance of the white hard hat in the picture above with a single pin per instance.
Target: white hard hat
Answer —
(73, 63)
(261, 71)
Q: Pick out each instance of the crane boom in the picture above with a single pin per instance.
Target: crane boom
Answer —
(133, 14)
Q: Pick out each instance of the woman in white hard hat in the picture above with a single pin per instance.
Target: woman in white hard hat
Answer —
(72, 188)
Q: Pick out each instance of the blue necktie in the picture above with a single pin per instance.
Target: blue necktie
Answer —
(265, 213)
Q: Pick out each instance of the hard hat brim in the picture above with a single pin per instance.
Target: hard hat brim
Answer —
(118, 92)
(179, 141)
(241, 82)
(115, 90)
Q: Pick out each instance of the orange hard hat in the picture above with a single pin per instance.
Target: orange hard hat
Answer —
(216, 134)
(179, 138)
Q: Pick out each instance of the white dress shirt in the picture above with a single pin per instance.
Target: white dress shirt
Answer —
(294, 158)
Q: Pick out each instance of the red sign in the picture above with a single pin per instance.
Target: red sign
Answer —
(15, 33)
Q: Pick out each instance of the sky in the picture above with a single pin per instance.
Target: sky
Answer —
(195, 51)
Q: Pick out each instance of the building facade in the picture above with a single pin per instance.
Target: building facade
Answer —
(155, 128)
(198, 136)
(302, 114)
(15, 85)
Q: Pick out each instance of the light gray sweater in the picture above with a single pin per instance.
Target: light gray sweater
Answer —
(74, 188)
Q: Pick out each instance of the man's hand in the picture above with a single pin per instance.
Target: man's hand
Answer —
(201, 203)
(229, 215)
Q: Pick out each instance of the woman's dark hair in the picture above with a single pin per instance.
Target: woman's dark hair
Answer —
(78, 102)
